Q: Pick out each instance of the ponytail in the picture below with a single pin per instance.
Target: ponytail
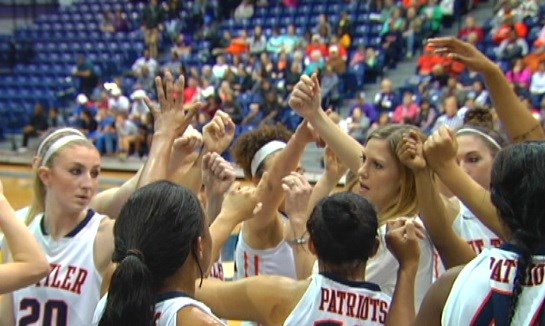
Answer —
(131, 296)
(526, 244)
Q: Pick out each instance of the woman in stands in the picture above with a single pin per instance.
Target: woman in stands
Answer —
(383, 180)
(79, 242)
(343, 234)
(29, 265)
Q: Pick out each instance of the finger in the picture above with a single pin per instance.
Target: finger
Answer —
(160, 92)
(151, 106)
(191, 112)
(169, 81)
(316, 81)
(307, 81)
(304, 88)
(179, 90)
(221, 127)
(205, 163)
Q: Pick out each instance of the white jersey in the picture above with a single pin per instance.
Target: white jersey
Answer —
(472, 230)
(273, 261)
(331, 301)
(166, 308)
(21, 215)
(69, 294)
(382, 267)
(481, 295)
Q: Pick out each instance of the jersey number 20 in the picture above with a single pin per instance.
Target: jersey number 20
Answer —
(51, 308)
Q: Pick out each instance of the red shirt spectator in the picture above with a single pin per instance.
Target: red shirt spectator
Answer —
(407, 112)
(471, 27)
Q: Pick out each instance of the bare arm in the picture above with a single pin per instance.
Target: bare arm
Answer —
(29, 262)
(6, 310)
(306, 101)
(517, 119)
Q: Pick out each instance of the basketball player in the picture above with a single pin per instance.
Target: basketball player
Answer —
(29, 265)
(261, 248)
(77, 241)
(383, 180)
(343, 234)
(501, 286)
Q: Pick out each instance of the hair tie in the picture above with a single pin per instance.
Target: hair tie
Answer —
(136, 253)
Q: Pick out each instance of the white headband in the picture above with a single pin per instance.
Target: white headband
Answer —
(58, 144)
(480, 133)
(55, 133)
(265, 151)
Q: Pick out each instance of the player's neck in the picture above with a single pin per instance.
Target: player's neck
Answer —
(183, 281)
(347, 272)
(58, 223)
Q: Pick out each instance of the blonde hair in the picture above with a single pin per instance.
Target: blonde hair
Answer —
(406, 204)
(38, 198)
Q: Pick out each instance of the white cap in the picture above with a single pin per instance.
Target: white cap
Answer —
(82, 99)
(115, 91)
(139, 94)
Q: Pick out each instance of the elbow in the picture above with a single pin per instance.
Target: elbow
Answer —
(41, 268)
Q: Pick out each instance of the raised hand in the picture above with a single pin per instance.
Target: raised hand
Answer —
(218, 175)
(440, 148)
(410, 151)
(305, 132)
(333, 166)
(242, 203)
(186, 149)
(306, 97)
(462, 52)
(298, 191)
(402, 240)
(170, 115)
(219, 133)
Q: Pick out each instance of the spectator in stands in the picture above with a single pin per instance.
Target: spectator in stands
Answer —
(537, 85)
(219, 70)
(479, 94)
(426, 117)
(182, 49)
(152, 24)
(271, 109)
(513, 47)
(335, 61)
(147, 61)
(323, 28)
(258, 41)
(107, 23)
(385, 100)
(413, 33)
(86, 73)
(520, 76)
(139, 109)
(191, 92)
(396, 22)
(367, 108)
(127, 134)
(434, 18)
(173, 65)
(358, 57)
(315, 63)
(118, 103)
(38, 125)
(450, 118)
(82, 104)
(146, 80)
(233, 109)
(392, 44)
(106, 135)
(293, 75)
(330, 83)
(386, 9)
(55, 119)
(407, 112)
(471, 27)
(121, 25)
(345, 30)
(528, 9)
(383, 121)
(316, 44)
(88, 124)
(245, 10)
(357, 124)
(173, 19)
(428, 61)
(290, 41)
(239, 45)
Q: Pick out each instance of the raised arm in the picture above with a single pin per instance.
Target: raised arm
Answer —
(218, 176)
(306, 101)
(431, 205)
(440, 152)
(298, 193)
(29, 263)
(240, 203)
(282, 165)
(517, 119)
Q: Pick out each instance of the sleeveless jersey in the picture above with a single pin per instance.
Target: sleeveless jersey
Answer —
(166, 308)
(69, 294)
(471, 229)
(273, 261)
(382, 268)
(481, 294)
(329, 300)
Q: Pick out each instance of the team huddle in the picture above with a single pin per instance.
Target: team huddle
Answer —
(439, 229)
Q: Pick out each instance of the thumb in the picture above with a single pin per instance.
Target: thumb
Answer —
(316, 82)
(410, 230)
(451, 133)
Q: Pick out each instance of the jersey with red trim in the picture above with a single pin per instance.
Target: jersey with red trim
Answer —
(69, 294)
(167, 307)
(471, 229)
(382, 267)
(481, 294)
(274, 261)
(330, 301)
